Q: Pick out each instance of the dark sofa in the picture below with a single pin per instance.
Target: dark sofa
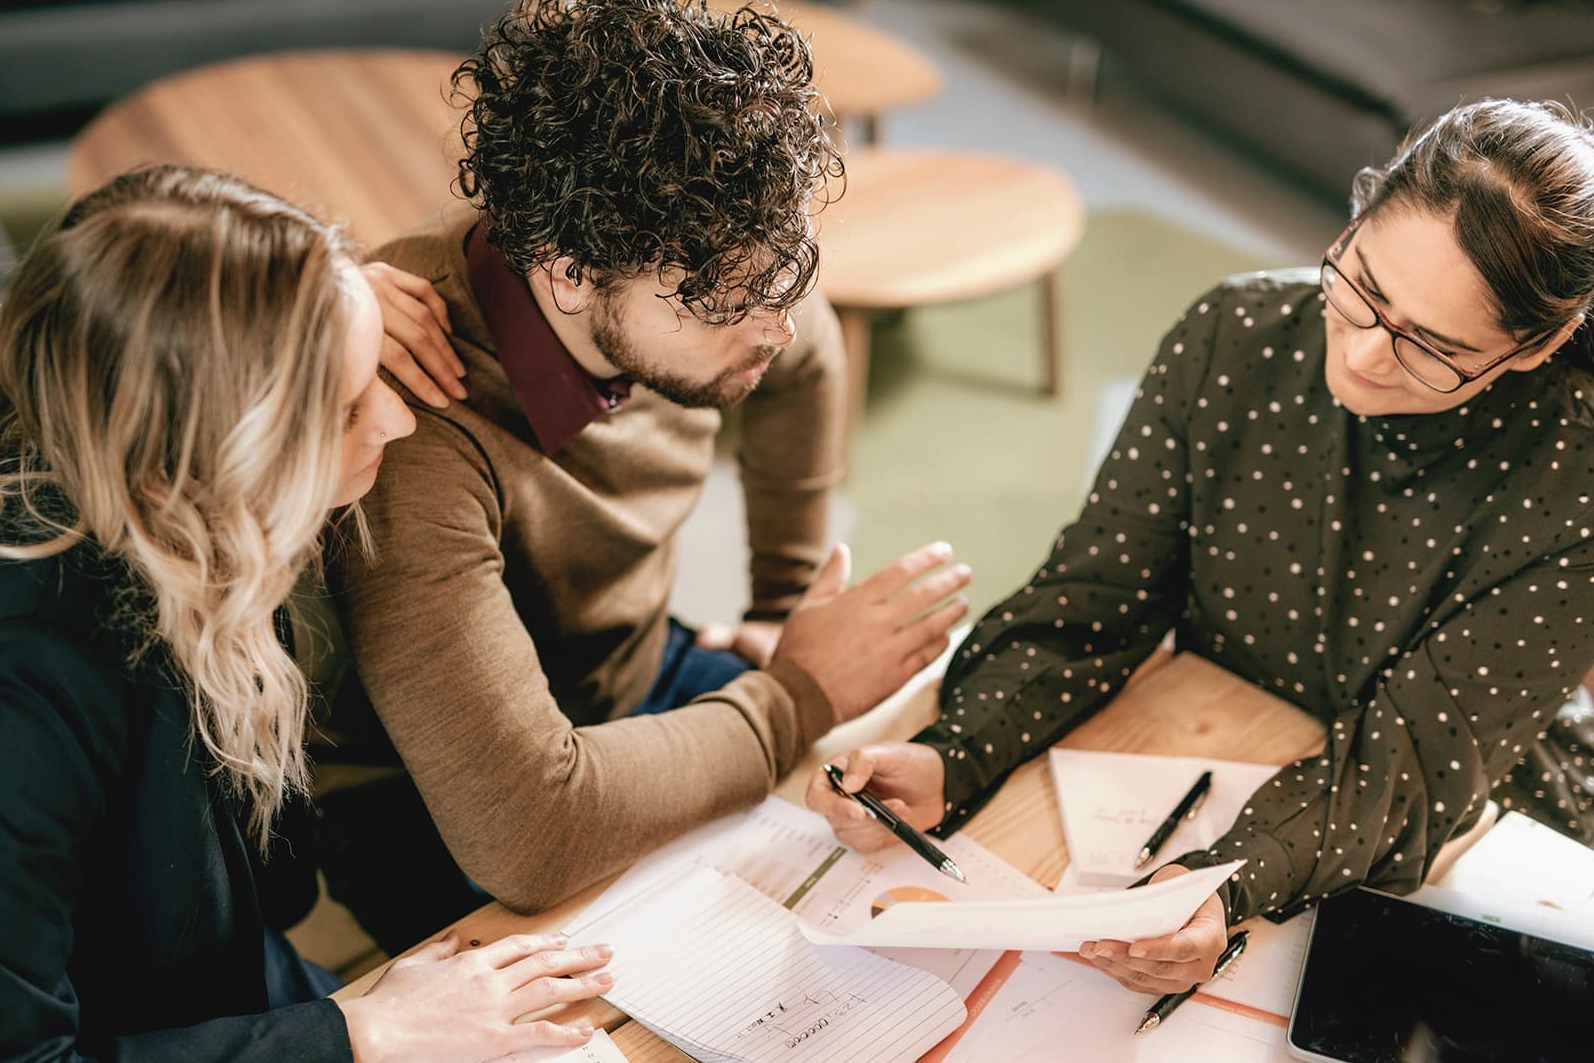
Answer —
(61, 60)
(1324, 87)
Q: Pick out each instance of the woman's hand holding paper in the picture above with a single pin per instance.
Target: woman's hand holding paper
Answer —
(1168, 964)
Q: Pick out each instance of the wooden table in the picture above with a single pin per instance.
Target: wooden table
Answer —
(1185, 707)
(366, 137)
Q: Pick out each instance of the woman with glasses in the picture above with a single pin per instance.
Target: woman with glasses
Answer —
(187, 389)
(1367, 488)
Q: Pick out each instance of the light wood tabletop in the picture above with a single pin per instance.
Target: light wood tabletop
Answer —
(368, 137)
(1184, 706)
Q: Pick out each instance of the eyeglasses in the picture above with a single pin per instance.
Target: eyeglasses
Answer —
(1430, 367)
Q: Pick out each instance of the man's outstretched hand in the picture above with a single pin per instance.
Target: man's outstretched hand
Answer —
(861, 643)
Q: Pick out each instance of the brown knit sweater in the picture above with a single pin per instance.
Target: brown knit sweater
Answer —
(516, 610)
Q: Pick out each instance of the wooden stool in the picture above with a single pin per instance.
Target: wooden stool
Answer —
(922, 226)
(861, 71)
(368, 136)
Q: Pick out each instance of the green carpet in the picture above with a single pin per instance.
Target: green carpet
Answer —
(958, 443)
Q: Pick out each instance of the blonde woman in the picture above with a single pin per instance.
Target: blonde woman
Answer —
(187, 389)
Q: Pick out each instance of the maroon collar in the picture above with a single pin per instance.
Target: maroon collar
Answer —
(557, 396)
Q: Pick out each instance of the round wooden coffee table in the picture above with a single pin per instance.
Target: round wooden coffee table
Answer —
(367, 137)
(922, 226)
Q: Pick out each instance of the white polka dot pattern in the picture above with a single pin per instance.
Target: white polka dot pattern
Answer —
(1422, 584)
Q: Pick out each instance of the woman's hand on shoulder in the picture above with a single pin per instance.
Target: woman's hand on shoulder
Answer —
(415, 345)
(443, 1004)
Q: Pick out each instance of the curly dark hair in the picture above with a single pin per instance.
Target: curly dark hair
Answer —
(639, 136)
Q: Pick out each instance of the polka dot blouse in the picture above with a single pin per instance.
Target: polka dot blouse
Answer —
(1423, 584)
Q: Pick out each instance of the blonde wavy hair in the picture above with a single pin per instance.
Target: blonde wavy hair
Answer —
(170, 360)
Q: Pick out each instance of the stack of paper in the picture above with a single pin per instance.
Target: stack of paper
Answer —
(1111, 803)
(721, 972)
(1523, 875)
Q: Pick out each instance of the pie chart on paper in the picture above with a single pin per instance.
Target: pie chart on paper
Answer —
(902, 895)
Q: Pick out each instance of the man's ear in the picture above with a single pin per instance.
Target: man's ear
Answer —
(562, 282)
(1525, 362)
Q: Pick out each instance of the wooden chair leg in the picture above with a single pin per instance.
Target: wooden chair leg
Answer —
(855, 337)
(1052, 324)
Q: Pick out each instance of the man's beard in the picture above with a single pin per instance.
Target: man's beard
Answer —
(718, 393)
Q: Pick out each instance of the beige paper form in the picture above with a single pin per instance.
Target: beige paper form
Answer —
(1110, 804)
(601, 1049)
(720, 971)
(1058, 924)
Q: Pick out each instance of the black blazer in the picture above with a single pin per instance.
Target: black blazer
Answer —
(132, 905)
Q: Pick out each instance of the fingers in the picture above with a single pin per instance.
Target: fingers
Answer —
(1155, 976)
(833, 576)
(431, 952)
(396, 359)
(853, 826)
(414, 320)
(559, 963)
(934, 588)
(512, 948)
(934, 626)
(905, 569)
(381, 273)
(551, 1034)
(715, 637)
(422, 289)
(1182, 947)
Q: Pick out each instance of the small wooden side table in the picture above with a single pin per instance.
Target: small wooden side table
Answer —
(368, 137)
(922, 226)
(861, 71)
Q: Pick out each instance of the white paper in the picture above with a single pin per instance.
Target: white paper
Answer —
(1525, 876)
(1056, 923)
(1052, 1008)
(601, 1049)
(791, 856)
(721, 972)
(1110, 803)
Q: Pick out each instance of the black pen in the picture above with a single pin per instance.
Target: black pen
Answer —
(1185, 807)
(1165, 1005)
(888, 819)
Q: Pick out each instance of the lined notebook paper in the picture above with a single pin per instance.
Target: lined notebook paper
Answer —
(721, 972)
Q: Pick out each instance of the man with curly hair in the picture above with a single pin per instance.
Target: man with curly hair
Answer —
(636, 256)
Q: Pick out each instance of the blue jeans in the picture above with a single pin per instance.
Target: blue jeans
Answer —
(687, 672)
(384, 859)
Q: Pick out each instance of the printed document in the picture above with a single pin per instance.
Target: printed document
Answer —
(1057, 923)
(1111, 803)
(720, 971)
(791, 856)
(601, 1049)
